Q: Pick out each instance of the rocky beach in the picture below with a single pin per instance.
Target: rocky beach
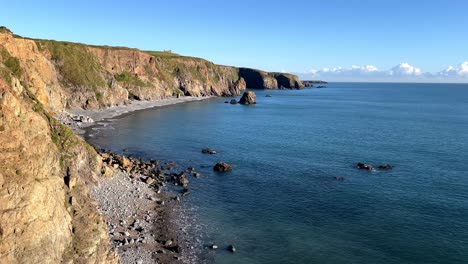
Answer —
(140, 205)
(78, 119)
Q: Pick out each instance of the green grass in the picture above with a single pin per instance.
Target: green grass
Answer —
(76, 65)
(163, 54)
(4, 29)
(130, 79)
(98, 96)
(5, 74)
(11, 63)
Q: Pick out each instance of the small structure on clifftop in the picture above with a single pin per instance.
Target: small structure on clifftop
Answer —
(248, 98)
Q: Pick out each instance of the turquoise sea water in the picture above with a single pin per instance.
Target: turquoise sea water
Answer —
(281, 203)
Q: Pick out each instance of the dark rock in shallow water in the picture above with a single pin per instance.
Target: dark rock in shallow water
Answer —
(222, 166)
(185, 191)
(248, 98)
(231, 248)
(226, 102)
(183, 180)
(364, 166)
(233, 101)
(268, 95)
(208, 151)
(386, 167)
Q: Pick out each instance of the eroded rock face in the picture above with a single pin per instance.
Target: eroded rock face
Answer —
(248, 98)
(46, 214)
(257, 79)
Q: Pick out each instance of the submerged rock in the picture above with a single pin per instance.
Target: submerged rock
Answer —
(222, 166)
(233, 101)
(248, 98)
(386, 167)
(208, 151)
(268, 95)
(364, 166)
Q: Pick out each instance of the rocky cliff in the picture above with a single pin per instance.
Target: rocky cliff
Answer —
(46, 214)
(257, 79)
(71, 75)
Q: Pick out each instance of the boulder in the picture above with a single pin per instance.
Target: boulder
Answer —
(233, 101)
(124, 162)
(248, 98)
(222, 166)
(364, 166)
(183, 180)
(149, 180)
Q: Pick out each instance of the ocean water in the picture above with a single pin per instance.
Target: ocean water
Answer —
(282, 204)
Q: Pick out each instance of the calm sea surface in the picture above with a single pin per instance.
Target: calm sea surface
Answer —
(281, 203)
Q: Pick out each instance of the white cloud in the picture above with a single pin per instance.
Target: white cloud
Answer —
(405, 69)
(400, 72)
(460, 71)
(463, 69)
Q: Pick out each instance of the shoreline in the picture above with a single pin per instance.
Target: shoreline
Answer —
(101, 114)
(145, 219)
(142, 206)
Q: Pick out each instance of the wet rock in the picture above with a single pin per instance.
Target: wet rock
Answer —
(268, 95)
(185, 191)
(364, 166)
(248, 98)
(231, 248)
(183, 180)
(222, 166)
(233, 101)
(386, 167)
(208, 151)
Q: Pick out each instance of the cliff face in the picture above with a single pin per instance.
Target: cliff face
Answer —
(46, 214)
(257, 79)
(71, 75)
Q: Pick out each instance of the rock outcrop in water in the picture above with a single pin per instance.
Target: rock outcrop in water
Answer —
(222, 166)
(47, 215)
(248, 98)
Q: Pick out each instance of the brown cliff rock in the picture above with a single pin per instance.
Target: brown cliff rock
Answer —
(38, 222)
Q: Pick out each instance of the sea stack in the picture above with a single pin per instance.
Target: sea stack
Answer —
(248, 98)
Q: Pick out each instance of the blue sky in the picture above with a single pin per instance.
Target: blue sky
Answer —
(304, 37)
